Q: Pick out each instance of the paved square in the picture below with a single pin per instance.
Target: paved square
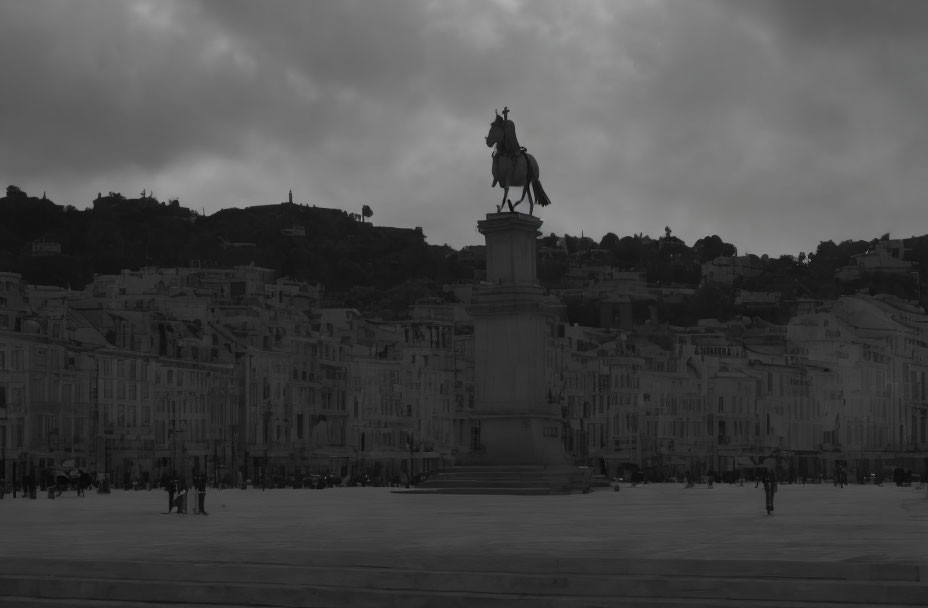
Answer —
(654, 521)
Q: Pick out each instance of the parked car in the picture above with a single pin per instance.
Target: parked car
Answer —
(316, 482)
(904, 478)
(361, 480)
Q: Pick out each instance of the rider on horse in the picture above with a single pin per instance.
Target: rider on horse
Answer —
(512, 165)
(509, 146)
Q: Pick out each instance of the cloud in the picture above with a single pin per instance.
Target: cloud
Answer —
(772, 124)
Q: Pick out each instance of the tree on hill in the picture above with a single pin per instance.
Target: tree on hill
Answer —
(629, 252)
(829, 257)
(610, 241)
(711, 247)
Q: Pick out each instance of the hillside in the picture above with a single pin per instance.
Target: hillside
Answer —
(382, 270)
(359, 264)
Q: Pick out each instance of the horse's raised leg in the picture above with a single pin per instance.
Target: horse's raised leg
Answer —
(499, 207)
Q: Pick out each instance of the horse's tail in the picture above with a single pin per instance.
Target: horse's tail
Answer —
(541, 198)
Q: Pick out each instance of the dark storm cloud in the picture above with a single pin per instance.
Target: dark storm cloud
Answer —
(97, 87)
(786, 123)
(772, 124)
(885, 97)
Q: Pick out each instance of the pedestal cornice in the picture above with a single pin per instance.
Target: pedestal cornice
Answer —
(509, 222)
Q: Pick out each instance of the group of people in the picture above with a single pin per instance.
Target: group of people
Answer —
(77, 480)
(178, 493)
(768, 478)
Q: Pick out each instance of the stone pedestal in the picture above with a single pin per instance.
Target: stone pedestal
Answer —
(511, 323)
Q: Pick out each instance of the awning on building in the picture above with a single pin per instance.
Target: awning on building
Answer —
(334, 452)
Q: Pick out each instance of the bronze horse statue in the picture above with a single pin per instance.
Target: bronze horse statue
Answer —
(512, 165)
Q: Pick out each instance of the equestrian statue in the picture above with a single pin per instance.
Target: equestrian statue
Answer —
(513, 166)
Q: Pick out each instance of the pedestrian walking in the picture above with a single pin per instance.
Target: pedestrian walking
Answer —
(171, 488)
(180, 501)
(770, 488)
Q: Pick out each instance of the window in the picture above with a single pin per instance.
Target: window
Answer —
(38, 387)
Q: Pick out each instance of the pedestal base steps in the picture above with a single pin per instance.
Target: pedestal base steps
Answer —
(506, 479)
(332, 580)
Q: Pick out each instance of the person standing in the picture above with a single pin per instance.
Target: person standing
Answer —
(201, 495)
(770, 488)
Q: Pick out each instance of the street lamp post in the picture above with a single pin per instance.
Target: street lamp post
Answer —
(410, 440)
(267, 421)
(243, 436)
(174, 445)
(215, 462)
(175, 429)
(3, 421)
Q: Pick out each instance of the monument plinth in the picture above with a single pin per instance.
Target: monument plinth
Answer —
(515, 432)
(516, 423)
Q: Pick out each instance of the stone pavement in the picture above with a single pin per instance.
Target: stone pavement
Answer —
(374, 527)
(652, 521)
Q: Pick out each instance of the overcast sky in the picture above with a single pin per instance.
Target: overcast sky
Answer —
(773, 124)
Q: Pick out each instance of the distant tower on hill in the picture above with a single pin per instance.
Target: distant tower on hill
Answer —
(291, 197)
